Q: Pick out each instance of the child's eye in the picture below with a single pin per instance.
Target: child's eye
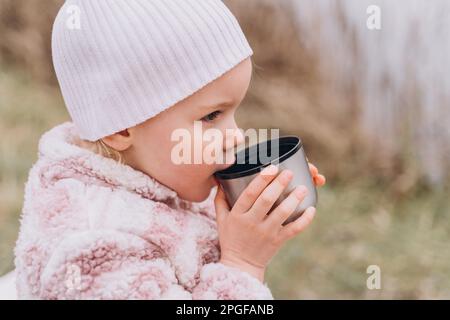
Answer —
(212, 116)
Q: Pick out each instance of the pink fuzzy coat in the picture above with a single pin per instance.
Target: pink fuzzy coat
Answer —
(92, 228)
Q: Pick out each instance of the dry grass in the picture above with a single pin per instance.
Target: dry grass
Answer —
(25, 41)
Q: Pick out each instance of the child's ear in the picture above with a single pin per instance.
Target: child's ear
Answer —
(119, 141)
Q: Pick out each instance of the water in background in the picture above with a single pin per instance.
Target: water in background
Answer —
(402, 71)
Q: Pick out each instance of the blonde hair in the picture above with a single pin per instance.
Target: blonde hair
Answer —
(101, 148)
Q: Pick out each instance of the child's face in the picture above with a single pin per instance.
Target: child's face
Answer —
(148, 146)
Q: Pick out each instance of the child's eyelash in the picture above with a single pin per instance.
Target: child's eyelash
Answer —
(212, 116)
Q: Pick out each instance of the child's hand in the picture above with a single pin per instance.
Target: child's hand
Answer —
(319, 179)
(248, 237)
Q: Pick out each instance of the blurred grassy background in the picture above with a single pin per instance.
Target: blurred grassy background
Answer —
(376, 208)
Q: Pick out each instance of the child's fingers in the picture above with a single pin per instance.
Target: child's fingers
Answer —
(295, 227)
(286, 207)
(270, 195)
(221, 205)
(319, 180)
(313, 169)
(248, 197)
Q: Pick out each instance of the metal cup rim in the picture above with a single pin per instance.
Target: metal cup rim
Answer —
(226, 174)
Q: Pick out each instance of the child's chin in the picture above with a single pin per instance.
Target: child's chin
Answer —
(201, 193)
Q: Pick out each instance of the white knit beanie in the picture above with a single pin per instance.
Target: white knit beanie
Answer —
(121, 62)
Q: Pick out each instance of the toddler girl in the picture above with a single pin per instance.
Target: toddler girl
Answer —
(108, 214)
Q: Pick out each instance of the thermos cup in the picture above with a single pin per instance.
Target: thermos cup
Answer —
(286, 152)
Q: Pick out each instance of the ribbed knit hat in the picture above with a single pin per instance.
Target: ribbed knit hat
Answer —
(121, 62)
